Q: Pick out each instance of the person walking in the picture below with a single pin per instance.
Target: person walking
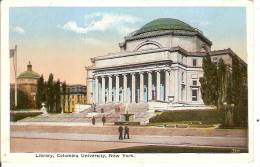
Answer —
(93, 120)
(103, 120)
(120, 130)
(94, 107)
(126, 134)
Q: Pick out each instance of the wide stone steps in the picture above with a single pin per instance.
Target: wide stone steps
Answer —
(112, 115)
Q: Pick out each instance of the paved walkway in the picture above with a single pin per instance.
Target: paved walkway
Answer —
(190, 141)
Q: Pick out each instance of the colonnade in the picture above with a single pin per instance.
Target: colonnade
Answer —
(129, 87)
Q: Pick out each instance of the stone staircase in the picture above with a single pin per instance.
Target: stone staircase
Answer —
(112, 112)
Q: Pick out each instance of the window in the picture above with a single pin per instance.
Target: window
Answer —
(215, 60)
(182, 93)
(194, 82)
(182, 76)
(194, 95)
(194, 62)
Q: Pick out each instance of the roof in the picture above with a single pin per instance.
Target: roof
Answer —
(164, 24)
(29, 73)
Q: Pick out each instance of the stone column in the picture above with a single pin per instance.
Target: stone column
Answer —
(110, 88)
(133, 87)
(96, 90)
(141, 87)
(177, 85)
(171, 83)
(103, 88)
(125, 88)
(150, 82)
(167, 84)
(117, 89)
(158, 85)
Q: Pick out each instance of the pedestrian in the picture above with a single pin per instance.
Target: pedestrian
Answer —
(120, 130)
(102, 110)
(94, 107)
(126, 134)
(103, 120)
(93, 120)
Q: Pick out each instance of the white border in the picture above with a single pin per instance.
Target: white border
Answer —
(141, 159)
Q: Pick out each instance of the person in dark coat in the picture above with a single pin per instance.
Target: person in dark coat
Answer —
(126, 134)
(94, 107)
(93, 120)
(120, 130)
(103, 120)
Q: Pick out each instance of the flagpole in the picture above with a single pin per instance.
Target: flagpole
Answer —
(15, 75)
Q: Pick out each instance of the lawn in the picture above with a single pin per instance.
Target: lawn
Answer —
(173, 149)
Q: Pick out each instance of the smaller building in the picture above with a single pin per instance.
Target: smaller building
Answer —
(75, 94)
(27, 88)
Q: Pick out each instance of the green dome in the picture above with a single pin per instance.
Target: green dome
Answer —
(29, 74)
(164, 24)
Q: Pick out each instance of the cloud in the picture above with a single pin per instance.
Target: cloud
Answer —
(103, 22)
(18, 30)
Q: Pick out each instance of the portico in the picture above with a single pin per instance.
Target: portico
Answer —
(133, 85)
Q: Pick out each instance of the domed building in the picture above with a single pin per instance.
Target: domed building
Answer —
(27, 87)
(159, 63)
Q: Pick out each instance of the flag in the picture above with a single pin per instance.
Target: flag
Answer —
(12, 53)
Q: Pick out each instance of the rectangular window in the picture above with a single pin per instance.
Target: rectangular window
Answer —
(194, 95)
(194, 82)
(194, 62)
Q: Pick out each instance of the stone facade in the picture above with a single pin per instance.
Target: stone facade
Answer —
(161, 64)
(27, 84)
(75, 94)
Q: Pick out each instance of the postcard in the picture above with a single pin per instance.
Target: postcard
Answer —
(133, 82)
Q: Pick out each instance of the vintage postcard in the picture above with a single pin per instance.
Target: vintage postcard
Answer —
(116, 82)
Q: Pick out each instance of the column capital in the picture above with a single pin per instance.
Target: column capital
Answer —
(124, 74)
(133, 73)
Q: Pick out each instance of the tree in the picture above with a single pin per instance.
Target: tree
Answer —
(240, 93)
(57, 97)
(209, 84)
(40, 94)
(50, 94)
(222, 82)
(64, 95)
(23, 101)
(219, 85)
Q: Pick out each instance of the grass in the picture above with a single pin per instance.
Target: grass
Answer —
(188, 116)
(173, 149)
(187, 124)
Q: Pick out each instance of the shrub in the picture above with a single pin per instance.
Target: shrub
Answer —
(15, 116)
(204, 116)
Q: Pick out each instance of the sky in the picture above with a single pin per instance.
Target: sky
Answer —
(61, 40)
